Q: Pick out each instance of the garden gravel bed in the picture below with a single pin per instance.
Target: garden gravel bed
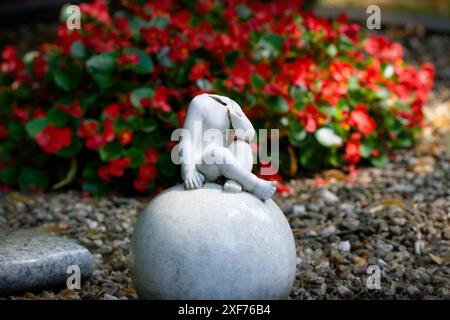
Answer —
(396, 218)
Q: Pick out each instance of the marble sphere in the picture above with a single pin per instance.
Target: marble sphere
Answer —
(211, 244)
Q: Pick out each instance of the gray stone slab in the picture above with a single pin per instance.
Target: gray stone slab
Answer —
(31, 260)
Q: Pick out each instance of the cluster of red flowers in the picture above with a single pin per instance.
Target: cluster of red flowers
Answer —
(114, 90)
(147, 172)
(53, 139)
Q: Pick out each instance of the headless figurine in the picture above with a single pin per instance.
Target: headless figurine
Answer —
(216, 156)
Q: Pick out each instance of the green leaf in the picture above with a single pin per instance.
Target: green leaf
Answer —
(58, 117)
(331, 50)
(71, 150)
(16, 130)
(137, 157)
(327, 137)
(274, 40)
(145, 124)
(165, 165)
(32, 178)
(365, 150)
(96, 188)
(159, 22)
(306, 157)
(169, 117)
(34, 126)
(382, 93)
(143, 141)
(90, 172)
(77, 50)
(243, 11)
(257, 81)
(278, 103)
(8, 175)
(101, 67)
(67, 79)
(111, 151)
(268, 46)
(353, 83)
(103, 63)
(164, 59)
(230, 58)
(380, 161)
(138, 94)
(6, 101)
(145, 62)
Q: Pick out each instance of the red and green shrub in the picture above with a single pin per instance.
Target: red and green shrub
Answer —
(95, 108)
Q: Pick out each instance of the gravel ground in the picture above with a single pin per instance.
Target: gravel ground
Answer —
(397, 218)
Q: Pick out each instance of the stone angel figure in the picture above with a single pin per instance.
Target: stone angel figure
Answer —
(207, 152)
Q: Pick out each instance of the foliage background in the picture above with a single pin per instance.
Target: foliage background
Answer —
(96, 107)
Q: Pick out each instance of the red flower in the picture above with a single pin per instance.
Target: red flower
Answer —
(39, 67)
(11, 64)
(181, 19)
(199, 71)
(3, 131)
(128, 59)
(155, 38)
(240, 75)
(125, 137)
(122, 25)
(141, 184)
(97, 9)
(352, 154)
(361, 119)
(52, 139)
(39, 113)
(151, 155)
(147, 172)
(87, 128)
(181, 114)
(9, 53)
(112, 110)
(379, 46)
(179, 49)
(108, 130)
(103, 173)
(332, 91)
(159, 101)
(311, 117)
(115, 168)
(21, 113)
(75, 109)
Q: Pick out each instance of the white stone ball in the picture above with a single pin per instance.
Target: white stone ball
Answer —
(211, 244)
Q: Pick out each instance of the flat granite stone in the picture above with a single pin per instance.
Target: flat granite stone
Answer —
(31, 260)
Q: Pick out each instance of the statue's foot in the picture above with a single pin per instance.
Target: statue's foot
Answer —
(232, 186)
(265, 189)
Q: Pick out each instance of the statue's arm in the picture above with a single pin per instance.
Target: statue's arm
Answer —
(243, 128)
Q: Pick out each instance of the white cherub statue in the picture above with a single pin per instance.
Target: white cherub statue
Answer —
(207, 154)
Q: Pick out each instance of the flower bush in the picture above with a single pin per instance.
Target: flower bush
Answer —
(95, 108)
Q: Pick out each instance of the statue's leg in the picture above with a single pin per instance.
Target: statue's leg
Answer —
(227, 165)
(242, 151)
